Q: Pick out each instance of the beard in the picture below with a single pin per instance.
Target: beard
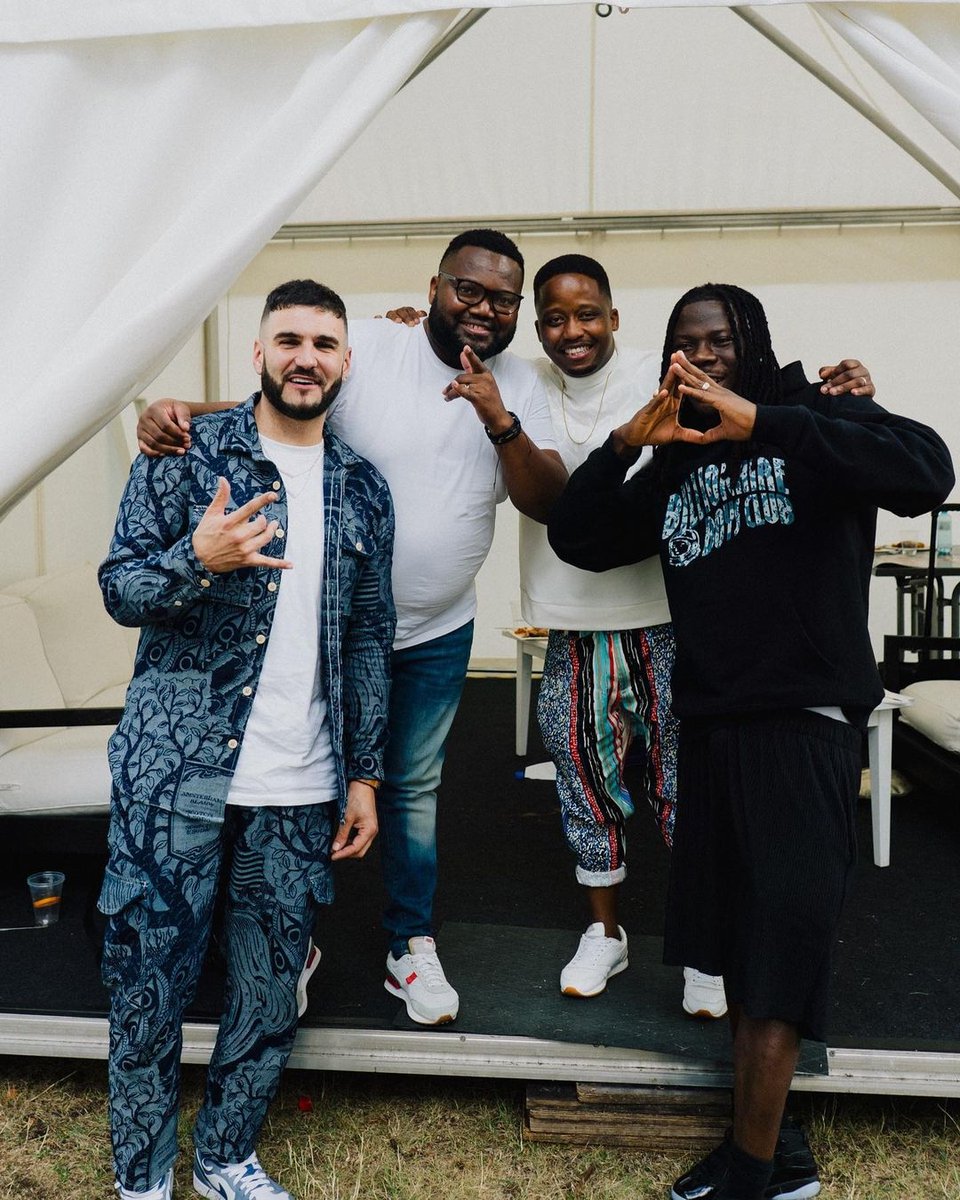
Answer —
(449, 338)
(271, 389)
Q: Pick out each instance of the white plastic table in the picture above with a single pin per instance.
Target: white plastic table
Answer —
(528, 649)
(879, 748)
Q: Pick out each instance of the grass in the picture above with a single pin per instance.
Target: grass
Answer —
(390, 1137)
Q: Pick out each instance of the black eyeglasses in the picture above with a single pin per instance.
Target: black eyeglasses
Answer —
(470, 292)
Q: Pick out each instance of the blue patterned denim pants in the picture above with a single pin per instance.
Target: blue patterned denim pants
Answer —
(159, 893)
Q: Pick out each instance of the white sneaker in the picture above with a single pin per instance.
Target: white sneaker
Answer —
(597, 958)
(417, 978)
(310, 964)
(245, 1180)
(703, 995)
(161, 1191)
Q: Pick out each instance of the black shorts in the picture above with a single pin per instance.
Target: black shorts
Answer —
(763, 852)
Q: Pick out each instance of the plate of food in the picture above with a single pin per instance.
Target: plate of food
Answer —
(906, 546)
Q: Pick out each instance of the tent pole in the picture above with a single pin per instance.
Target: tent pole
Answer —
(456, 31)
(211, 357)
(782, 42)
(621, 222)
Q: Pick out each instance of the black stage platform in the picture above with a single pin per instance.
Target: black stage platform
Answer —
(509, 915)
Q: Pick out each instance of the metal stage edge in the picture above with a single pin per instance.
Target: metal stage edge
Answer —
(446, 1052)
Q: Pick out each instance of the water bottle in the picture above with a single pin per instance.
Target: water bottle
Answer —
(944, 535)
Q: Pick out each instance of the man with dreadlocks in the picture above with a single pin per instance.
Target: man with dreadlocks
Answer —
(761, 501)
(606, 678)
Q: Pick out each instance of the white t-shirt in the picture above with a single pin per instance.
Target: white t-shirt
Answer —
(584, 410)
(444, 473)
(287, 756)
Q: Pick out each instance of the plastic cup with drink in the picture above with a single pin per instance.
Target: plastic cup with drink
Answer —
(46, 892)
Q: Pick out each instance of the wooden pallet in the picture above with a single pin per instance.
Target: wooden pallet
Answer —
(661, 1119)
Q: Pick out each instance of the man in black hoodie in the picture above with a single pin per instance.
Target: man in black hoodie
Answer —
(761, 500)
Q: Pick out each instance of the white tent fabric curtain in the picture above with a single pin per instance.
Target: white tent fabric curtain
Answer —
(915, 47)
(148, 151)
(138, 177)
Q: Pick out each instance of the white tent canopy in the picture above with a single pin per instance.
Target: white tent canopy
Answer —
(149, 151)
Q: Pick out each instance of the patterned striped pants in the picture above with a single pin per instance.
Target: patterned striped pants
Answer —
(599, 692)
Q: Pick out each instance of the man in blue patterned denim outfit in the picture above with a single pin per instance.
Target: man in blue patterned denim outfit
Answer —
(255, 717)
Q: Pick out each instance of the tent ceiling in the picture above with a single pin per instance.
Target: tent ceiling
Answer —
(555, 111)
(125, 224)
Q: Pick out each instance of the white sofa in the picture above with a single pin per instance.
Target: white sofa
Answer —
(58, 650)
(927, 738)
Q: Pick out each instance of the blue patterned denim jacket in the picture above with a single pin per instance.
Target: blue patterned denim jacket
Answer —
(204, 635)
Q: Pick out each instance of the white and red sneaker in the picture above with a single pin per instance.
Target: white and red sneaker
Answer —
(311, 962)
(418, 980)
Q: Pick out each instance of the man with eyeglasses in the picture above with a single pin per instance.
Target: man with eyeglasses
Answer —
(403, 409)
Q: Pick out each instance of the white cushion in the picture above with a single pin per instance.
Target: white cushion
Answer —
(935, 711)
(63, 769)
(63, 772)
(26, 680)
(59, 648)
(86, 650)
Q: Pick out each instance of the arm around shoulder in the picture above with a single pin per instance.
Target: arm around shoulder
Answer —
(164, 425)
(861, 449)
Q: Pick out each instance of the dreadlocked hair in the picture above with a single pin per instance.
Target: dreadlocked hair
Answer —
(758, 372)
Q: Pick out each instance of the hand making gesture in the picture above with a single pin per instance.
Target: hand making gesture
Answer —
(658, 422)
(477, 384)
(737, 416)
(653, 425)
(224, 541)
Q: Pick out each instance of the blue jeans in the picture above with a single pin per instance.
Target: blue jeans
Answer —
(426, 685)
(158, 894)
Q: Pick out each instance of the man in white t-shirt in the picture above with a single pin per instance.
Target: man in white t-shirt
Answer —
(455, 423)
(258, 567)
(606, 677)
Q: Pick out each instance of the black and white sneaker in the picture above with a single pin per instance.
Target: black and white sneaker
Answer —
(707, 1179)
(795, 1175)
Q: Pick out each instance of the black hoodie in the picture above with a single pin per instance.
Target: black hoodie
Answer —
(767, 545)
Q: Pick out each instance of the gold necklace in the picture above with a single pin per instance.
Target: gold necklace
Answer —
(563, 410)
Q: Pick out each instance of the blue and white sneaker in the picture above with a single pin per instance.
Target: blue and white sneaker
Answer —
(245, 1180)
(160, 1191)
